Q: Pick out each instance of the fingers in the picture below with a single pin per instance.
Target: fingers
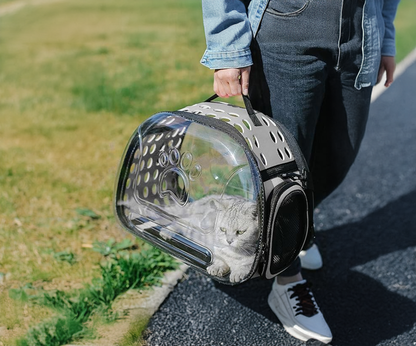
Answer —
(245, 77)
(231, 82)
(387, 65)
(390, 68)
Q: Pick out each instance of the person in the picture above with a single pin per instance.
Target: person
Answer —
(311, 65)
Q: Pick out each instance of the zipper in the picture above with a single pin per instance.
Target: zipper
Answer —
(337, 67)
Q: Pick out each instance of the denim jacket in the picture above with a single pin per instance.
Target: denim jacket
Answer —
(230, 27)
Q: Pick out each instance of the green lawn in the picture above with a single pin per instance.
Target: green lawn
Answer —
(76, 78)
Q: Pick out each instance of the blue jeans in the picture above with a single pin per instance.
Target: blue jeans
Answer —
(307, 54)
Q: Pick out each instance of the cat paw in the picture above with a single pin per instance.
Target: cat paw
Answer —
(218, 269)
(237, 276)
(178, 170)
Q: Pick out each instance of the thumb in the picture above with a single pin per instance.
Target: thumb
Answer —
(245, 77)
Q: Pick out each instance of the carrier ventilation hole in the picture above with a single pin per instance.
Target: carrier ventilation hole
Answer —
(151, 138)
(132, 168)
(139, 178)
(280, 154)
(145, 150)
(179, 143)
(256, 142)
(219, 110)
(149, 163)
(146, 177)
(136, 153)
(154, 189)
(239, 128)
(141, 165)
(198, 112)
(288, 153)
(152, 148)
(175, 133)
(225, 120)
(211, 115)
(145, 192)
(155, 174)
(182, 131)
(170, 121)
(247, 124)
(282, 139)
(235, 115)
(128, 183)
(266, 121)
(274, 139)
(204, 106)
(249, 143)
(263, 159)
(159, 137)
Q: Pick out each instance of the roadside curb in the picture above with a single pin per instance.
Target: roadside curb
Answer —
(140, 305)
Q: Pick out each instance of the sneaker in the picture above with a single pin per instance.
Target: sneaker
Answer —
(311, 258)
(295, 306)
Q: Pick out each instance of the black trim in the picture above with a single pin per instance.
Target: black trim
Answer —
(275, 171)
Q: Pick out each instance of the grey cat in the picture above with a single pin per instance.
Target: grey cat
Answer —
(227, 225)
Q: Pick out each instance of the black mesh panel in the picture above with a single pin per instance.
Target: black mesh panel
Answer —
(290, 227)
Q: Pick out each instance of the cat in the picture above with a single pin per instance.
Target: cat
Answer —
(227, 225)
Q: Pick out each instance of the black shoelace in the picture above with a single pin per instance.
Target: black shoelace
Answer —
(306, 304)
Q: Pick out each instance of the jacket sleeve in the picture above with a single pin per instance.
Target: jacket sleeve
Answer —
(228, 34)
(389, 13)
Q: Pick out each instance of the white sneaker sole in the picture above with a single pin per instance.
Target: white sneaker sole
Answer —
(291, 327)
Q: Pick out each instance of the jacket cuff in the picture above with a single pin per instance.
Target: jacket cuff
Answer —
(389, 47)
(228, 59)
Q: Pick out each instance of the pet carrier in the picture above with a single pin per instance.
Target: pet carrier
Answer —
(221, 187)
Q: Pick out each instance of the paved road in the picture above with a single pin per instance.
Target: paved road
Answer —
(367, 234)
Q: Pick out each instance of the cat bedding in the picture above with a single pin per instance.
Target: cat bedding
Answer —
(223, 188)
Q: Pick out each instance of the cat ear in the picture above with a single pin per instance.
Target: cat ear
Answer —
(217, 205)
(208, 220)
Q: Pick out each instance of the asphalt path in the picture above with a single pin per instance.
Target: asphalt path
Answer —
(367, 236)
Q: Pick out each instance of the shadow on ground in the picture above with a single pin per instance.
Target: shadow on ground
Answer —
(363, 289)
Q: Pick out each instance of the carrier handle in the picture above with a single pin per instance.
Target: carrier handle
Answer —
(248, 106)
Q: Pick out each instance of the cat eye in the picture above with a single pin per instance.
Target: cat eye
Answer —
(240, 232)
(223, 229)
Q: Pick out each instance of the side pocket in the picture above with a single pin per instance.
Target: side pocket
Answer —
(287, 8)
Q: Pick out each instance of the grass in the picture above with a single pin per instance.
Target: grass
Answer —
(405, 28)
(122, 271)
(76, 78)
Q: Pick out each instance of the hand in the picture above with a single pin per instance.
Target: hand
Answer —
(388, 65)
(231, 81)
